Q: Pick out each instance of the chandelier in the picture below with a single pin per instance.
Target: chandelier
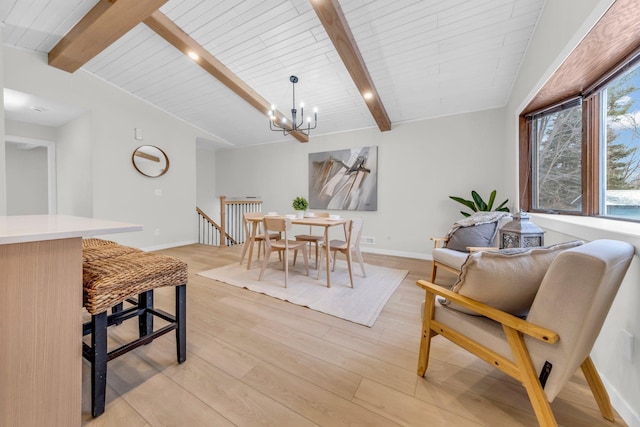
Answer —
(285, 125)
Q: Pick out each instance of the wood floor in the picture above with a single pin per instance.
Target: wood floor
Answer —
(258, 361)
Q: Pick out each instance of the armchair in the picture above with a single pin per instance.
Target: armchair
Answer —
(543, 350)
(475, 233)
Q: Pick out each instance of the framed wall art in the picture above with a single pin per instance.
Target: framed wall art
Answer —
(344, 179)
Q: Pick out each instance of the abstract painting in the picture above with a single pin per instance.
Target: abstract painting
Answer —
(344, 179)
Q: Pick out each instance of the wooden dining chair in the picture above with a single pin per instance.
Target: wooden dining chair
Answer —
(316, 239)
(349, 247)
(283, 246)
(260, 234)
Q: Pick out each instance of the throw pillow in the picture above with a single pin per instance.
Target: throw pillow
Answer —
(475, 235)
(507, 279)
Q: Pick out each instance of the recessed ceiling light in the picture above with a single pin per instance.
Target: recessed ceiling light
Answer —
(367, 95)
(193, 55)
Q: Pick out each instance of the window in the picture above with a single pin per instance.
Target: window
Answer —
(584, 158)
(585, 153)
(557, 158)
(619, 141)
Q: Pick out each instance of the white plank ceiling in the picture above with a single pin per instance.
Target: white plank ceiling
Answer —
(427, 58)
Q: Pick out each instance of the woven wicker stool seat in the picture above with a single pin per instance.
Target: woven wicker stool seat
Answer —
(109, 281)
(95, 249)
(113, 274)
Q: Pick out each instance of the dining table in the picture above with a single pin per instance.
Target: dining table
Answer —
(310, 220)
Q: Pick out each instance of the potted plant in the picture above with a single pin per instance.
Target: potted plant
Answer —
(477, 204)
(300, 204)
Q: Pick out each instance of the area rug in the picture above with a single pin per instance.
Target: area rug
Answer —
(362, 304)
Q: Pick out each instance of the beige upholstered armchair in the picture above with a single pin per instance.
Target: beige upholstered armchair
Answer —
(478, 232)
(536, 314)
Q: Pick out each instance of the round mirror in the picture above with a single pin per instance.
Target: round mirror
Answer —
(150, 161)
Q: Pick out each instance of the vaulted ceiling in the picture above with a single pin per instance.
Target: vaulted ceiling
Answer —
(424, 58)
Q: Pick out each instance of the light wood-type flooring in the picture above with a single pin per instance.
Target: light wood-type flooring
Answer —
(254, 360)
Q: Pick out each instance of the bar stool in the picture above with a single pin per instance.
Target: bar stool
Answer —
(108, 281)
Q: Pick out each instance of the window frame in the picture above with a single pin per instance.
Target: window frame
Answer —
(606, 52)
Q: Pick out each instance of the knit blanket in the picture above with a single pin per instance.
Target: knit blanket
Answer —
(477, 219)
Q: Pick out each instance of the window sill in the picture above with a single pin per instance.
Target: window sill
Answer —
(589, 228)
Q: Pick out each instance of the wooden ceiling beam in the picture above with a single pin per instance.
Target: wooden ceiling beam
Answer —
(168, 30)
(105, 23)
(335, 24)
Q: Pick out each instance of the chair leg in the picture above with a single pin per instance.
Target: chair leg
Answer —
(181, 319)
(348, 253)
(316, 255)
(529, 378)
(335, 256)
(145, 320)
(286, 267)
(245, 246)
(597, 388)
(98, 363)
(267, 255)
(319, 263)
(434, 269)
(305, 256)
(425, 340)
(117, 309)
(361, 261)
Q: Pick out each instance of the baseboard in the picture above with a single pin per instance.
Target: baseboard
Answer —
(621, 405)
(168, 245)
(415, 255)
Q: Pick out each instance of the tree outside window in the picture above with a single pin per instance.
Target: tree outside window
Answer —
(557, 163)
(621, 161)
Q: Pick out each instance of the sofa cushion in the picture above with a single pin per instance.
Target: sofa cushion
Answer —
(453, 259)
(507, 279)
(475, 235)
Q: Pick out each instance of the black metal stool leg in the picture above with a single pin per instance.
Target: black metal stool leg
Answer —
(145, 321)
(116, 309)
(181, 319)
(98, 363)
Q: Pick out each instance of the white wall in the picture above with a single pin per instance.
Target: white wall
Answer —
(206, 182)
(419, 165)
(27, 189)
(74, 167)
(563, 24)
(118, 191)
(30, 130)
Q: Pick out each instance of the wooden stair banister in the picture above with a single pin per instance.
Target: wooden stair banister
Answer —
(216, 226)
(237, 206)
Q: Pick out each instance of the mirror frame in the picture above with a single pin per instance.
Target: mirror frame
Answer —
(133, 161)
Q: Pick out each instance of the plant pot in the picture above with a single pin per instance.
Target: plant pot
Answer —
(299, 214)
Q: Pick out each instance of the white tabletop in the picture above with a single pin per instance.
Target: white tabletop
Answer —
(33, 228)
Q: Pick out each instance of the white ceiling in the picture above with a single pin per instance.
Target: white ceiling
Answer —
(427, 58)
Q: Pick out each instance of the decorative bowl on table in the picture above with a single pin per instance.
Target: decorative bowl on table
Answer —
(334, 217)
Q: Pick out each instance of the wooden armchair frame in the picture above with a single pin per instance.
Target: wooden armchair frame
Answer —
(521, 368)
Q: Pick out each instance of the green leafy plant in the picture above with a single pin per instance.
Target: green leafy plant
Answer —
(300, 203)
(477, 204)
